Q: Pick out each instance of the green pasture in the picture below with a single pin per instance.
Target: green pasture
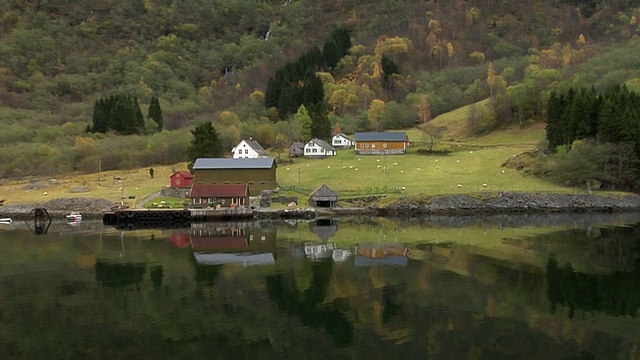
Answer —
(462, 171)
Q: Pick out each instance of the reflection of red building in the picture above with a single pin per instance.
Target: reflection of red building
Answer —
(181, 179)
(180, 238)
(233, 243)
(379, 251)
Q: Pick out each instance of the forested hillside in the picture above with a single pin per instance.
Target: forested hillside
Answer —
(212, 61)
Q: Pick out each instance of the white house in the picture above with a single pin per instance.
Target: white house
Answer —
(318, 148)
(341, 140)
(249, 149)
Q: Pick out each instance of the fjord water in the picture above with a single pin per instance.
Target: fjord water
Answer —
(493, 287)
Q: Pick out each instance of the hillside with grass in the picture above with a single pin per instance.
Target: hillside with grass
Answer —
(470, 165)
(211, 61)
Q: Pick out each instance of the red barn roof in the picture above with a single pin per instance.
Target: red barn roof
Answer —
(183, 173)
(220, 190)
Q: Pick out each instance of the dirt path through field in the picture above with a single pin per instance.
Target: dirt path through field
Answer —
(140, 205)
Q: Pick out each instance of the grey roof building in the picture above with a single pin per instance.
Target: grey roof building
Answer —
(226, 163)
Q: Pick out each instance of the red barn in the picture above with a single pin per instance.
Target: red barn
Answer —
(181, 179)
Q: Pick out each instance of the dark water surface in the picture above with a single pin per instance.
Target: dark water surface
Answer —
(502, 287)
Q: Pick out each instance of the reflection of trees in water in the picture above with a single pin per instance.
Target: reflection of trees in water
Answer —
(119, 275)
(616, 293)
(205, 275)
(306, 305)
(390, 307)
(157, 273)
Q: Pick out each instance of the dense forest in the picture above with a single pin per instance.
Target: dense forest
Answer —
(213, 61)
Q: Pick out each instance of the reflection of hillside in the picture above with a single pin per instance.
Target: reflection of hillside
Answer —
(308, 305)
(226, 243)
(614, 294)
(117, 275)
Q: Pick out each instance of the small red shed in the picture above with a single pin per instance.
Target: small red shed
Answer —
(181, 179)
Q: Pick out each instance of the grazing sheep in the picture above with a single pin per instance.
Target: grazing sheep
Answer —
(457, 161)
(484, 185)
(350, 166)
(328, 166)
(45, 193)
(459, 185)
(418, 169)
(471, 152)
(503, 171)
(287, 169)
(395, 163)
(402, 171)
(436, 160)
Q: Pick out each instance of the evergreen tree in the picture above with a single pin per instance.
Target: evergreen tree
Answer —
(555, 129)
(273, 92)
(389, 67)
(138, 117)
(100, 116)
(313, 90)
(320, 123)
(330, 54)
(205, 144)
(155, 113)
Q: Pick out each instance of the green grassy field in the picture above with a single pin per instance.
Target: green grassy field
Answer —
(474, 164)
(462, 171)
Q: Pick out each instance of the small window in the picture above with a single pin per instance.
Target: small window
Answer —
(384, 145)
(361, 145)
(366, 145)
(373, 145)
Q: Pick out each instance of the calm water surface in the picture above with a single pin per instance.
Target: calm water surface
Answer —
(503, 287)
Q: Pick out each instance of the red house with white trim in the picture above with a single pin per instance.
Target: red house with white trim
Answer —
(222, 195)
(181, 179)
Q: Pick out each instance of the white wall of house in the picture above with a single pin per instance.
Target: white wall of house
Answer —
(244, 151)
(340, 140)
(313, 149)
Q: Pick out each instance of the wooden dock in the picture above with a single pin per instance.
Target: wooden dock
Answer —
(170, 218)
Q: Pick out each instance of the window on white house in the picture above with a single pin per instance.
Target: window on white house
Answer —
(246, 151)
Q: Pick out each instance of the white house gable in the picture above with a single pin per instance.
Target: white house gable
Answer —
(341, 140)
(245, 150)
(318, 148)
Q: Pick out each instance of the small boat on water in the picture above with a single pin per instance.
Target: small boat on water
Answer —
(5, 220)
(74, 216)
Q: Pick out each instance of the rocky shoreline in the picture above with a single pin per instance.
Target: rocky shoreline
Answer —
(407, 207)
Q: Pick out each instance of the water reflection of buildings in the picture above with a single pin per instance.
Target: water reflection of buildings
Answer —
(365, 254)
(324, 228)
(233, 243)
(381, 254)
